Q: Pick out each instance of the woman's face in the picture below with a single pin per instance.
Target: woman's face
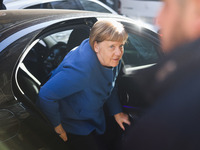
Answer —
(109, 53)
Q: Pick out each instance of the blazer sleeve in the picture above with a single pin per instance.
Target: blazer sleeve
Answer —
(68, 81)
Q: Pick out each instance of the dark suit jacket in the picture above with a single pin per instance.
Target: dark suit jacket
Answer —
(172, 91)
(2, 6)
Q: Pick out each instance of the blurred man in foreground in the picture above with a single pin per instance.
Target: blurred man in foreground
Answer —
(172, 121)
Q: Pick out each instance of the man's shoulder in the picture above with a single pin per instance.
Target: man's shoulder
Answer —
(185, 58)
(180, 65)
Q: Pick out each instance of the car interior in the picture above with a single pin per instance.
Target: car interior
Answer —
(42, 59)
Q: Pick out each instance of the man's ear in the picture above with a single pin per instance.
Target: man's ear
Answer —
(96, 47)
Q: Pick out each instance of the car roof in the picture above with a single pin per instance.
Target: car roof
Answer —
(25, 15)
(29, 15)
(18, 18)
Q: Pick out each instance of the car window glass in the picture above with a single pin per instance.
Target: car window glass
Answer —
(92, 6)
(67, 4)
(62, 36)
(42, 5)
(139, 51)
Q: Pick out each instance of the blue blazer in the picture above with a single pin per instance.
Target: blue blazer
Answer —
(75, 94)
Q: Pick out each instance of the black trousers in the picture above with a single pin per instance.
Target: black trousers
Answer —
(111, 140)
(87, 142)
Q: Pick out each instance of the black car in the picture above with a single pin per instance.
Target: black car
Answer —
(32, 44)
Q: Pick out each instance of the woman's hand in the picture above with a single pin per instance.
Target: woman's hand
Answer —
(63, 135)
(122, 118)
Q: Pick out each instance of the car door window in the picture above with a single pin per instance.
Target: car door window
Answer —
(92, 6)
(40, 6)
(67, 4)
(140, 49)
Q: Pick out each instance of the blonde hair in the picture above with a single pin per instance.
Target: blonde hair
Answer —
(109, 30)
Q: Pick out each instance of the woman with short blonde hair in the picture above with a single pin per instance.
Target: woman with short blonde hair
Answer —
(109, 30)
(74, 97)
